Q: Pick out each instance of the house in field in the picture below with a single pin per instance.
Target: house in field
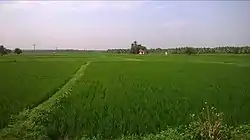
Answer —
(141, 51)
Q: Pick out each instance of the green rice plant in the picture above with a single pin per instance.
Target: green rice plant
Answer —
(143, 98)
(27, 84)
(146, 98)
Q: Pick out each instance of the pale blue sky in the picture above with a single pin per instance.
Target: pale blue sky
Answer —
(114, 24)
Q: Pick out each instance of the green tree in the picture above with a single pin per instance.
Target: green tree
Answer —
(8, 51)
(3, 50)
(18, 51)
(190, 50)
(136, 47)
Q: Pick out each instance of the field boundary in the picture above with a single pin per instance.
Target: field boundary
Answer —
(26, 119)
(66, 88)
(221, 62)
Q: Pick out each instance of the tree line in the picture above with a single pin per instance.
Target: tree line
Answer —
(135, 49)
(189, 50)
(5, 51)
(216, 50)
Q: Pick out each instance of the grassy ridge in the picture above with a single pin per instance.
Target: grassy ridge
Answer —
(26, 84)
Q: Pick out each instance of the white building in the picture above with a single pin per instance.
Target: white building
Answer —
(141, 51)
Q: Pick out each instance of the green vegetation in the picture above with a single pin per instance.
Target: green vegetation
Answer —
(4, 51)
(26, 84)
(133, 97)
(183, 50)
(190, 50)
(18, 51)
(137, 48)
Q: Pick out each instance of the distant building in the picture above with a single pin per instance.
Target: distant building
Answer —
(141, 51)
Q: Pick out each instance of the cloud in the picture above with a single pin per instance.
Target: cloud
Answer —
(69, 6)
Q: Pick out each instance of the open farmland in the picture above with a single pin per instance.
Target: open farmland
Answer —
(25, 84)
(116, 95)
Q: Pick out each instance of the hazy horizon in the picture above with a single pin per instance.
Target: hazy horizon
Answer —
(116, 24)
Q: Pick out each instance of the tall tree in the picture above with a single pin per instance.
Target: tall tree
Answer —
(3, 50)
(18, 51)
(136, 47)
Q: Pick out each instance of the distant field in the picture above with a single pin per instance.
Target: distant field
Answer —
(128, 94)
(26, 84)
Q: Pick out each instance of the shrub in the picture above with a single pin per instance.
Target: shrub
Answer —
(208, 125)
(18, 51)
(190, 50)
(241, 132)
(3, 50)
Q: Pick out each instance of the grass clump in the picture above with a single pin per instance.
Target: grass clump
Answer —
(208, 125)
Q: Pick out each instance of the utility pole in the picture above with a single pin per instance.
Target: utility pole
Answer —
(34, 47)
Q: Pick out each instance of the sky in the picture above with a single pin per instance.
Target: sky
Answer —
(116, 24)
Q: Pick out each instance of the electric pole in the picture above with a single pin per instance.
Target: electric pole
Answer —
(34, 47)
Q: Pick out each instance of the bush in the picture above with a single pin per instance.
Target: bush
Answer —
(3, 50)
(241, 133)
(18, 51)
(208, 125)
(190, 50)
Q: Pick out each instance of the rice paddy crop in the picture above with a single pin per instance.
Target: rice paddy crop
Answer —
(26, 84)
(127, 97)
(115, 98)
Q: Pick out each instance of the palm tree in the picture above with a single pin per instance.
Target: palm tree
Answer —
(135, 43)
